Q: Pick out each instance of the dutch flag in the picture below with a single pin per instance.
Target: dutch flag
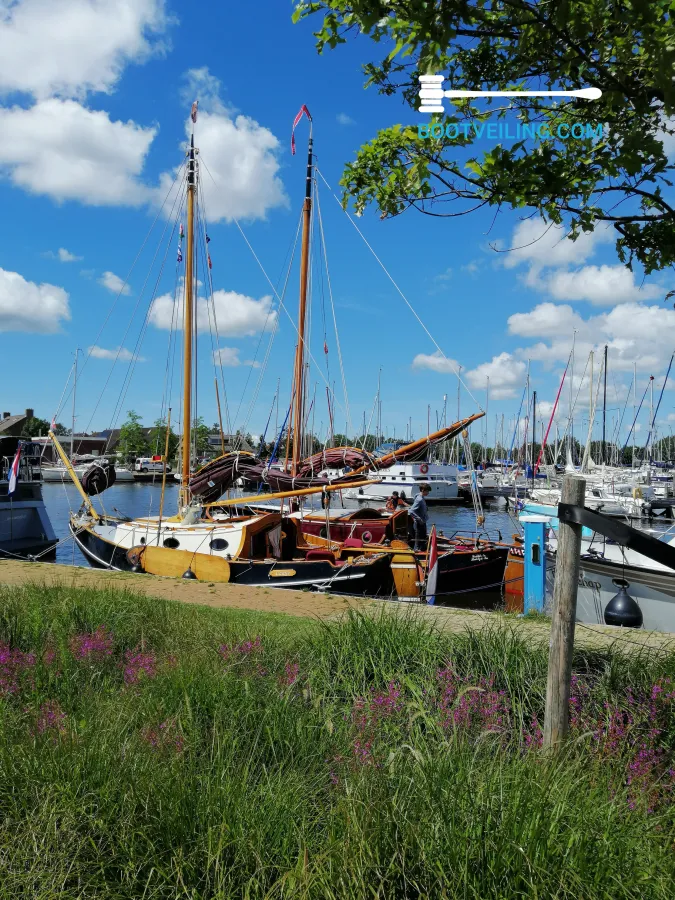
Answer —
(432, 568)
(14, 472)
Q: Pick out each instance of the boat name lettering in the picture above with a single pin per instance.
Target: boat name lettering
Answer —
(282, 573)
(478, 557)
(585, 582)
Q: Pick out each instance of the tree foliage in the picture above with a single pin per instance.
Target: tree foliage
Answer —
(626, 49)
(35, 427)
(132, 440)
(157, 439)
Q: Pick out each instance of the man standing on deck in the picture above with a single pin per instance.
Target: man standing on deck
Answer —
(418, 518)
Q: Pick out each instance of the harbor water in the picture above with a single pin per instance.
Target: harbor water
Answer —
(143, 500)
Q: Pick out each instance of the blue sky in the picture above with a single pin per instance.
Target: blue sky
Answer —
(94, 100)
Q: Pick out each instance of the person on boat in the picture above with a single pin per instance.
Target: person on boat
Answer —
(418, 516)
(395, 502)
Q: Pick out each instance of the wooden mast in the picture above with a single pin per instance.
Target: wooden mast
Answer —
(299, 368)
(188, 326)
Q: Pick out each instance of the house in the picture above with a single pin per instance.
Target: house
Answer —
(12, 426)
(232, 442)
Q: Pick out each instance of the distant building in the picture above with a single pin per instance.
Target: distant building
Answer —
(233, 442)
(12, 426)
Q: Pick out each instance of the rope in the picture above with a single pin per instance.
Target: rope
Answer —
(405, 299)
(628, 640)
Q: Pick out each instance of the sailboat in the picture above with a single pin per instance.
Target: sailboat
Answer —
(218, 544)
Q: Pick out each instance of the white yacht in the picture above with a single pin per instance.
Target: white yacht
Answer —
(406, 479)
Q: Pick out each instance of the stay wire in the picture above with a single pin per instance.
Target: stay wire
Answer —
(350, 426)
(64, 400)
(403, 296)
(282, 306)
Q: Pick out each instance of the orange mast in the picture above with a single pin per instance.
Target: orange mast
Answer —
(298, 393)
(188, 322)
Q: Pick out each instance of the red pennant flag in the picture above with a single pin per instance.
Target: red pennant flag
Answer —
(208, 256)
(193, 111)
(303, 112)
(325, 348)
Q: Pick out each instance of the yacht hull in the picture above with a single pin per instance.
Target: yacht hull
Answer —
(368, 576)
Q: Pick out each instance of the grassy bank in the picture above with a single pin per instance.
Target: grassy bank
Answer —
(150, 749)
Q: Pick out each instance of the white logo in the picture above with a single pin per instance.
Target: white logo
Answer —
(432, 93)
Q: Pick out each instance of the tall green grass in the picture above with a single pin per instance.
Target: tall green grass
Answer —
(254, 787)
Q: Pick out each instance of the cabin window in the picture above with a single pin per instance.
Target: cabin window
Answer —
(219, 544)
(171, 543)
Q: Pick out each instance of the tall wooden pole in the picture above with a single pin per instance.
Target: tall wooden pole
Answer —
(604, 408)
(561, 646)
(299, 369)
(188, 327)
(220, 420)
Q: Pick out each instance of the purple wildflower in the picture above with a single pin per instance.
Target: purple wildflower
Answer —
(15, 666)
(291, 674)
(164, 737)
(50, 720)
(138, 665)
(92, 647)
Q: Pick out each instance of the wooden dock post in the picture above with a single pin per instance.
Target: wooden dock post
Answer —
(561, 646)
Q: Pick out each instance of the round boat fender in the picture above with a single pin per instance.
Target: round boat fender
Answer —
(424, 468)
(366, 537)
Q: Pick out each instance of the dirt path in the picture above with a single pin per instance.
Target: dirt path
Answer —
(310, 605)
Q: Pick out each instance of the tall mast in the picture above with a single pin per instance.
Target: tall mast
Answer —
(72, 430)
(299, 368)
(188, 325)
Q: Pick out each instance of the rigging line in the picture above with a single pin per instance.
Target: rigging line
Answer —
(202, 205)
(273, 335)
(569, 420)
(126, 280)
(282, 305)
(128, 328)
(405, 299)
(332, 303)
(139, 340)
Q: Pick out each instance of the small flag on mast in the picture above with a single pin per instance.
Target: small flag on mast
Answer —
(432, 568)
(194, 110)
(53, 425)
(14, 472)
(303, 112)
(181, 231)
(208, 256)
(179, 258)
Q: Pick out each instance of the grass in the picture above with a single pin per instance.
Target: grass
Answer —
(150, 749)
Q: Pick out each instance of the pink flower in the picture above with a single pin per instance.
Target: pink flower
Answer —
(92, 647)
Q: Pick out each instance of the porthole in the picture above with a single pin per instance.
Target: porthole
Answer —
(219, 544)
(142, 540)
(323, 532)
(171, 543)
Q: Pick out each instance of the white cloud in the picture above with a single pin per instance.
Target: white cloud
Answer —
(61, 149)
(600, 285)
(541, 244)
(634, 333)
(236, 314)
(119, 353)
(67, 48)
(506, 374)
(436, 362)
(242, 179)
(472, 267)
(229, 356)
(546, 320)
(114, 283)
(26, 306)
(65, 256)
(344, 119)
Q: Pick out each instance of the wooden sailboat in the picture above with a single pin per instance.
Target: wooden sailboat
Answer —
(255, 549)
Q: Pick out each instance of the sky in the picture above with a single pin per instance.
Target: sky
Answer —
(95, 97)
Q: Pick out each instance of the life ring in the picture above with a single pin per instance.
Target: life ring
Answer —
(424, 468)
(366, 537)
